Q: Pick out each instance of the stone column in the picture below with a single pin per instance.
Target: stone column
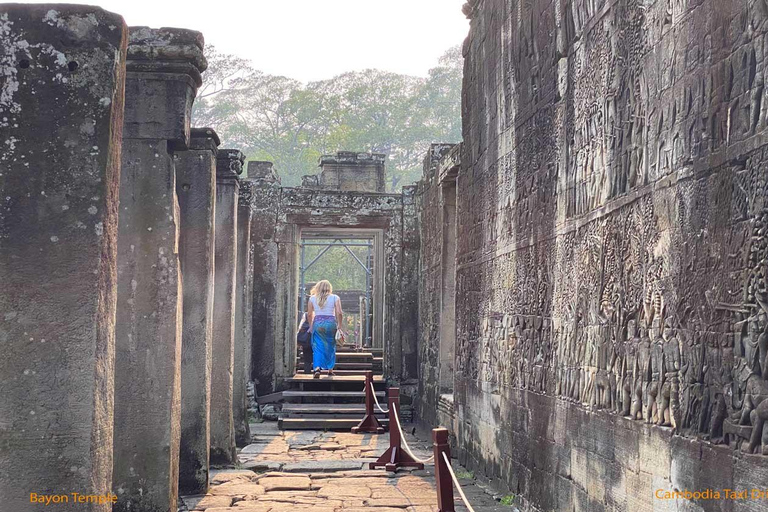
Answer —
(265, 203)
(229, 166)
(243, 315)
(196, 190)
(61, 116)
(163, 75)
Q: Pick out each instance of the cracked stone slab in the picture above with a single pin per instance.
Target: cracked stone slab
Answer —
(206, 502)
(261, 466)
(293, 483)
(344, 491)
(222, 476)
(237, 489)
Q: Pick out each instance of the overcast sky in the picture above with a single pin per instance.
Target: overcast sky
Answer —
(313, 39)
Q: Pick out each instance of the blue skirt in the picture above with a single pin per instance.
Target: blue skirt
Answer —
(324, 342)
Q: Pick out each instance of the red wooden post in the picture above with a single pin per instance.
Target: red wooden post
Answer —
(395, 457)
(370, 423)
(443, 481)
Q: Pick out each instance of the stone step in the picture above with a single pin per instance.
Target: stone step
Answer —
(345, 366)
(317, 424)
(309, 378)
(348, 357)
(292, 409)
(300, 371)
(298, 395)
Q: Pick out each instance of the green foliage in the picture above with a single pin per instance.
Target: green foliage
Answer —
(292, 124)
(508, 500)
(337, 266)
(465, 475)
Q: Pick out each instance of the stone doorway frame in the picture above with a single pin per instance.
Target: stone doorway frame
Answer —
(378, 281)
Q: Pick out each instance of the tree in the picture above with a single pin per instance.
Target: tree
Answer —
(292, 124)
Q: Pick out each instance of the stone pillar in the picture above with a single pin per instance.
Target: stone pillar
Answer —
(265, 203)
(163, 75)
(243, 315)
(196, 190)
(229, 166)
(59, 175)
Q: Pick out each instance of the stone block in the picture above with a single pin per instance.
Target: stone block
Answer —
(62, 72)
(169, 62)
(149, 319)
(228, 167)
(196, 192)
(243, 314)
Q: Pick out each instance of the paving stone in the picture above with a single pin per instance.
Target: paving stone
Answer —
(401, 502)
(251, 506)
(275, 447)
(266, 428)
(207, 501)
(389, 492)
(323, 466)
(281, 495)
(294, 483)
(339, 491)
(276, 474)
(367, 509)
(260, 466)
(221, 476)
(237, 489)
(355, 474)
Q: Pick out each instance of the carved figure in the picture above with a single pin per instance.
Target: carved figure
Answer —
(642, 376)
(670, 387)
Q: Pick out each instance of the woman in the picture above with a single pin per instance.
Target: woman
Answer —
(325, 315)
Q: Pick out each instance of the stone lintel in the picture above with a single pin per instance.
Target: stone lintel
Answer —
(229, 165)
(349, 158)
(202, 139)
(449, 165)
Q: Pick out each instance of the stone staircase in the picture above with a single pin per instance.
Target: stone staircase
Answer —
(337, 402)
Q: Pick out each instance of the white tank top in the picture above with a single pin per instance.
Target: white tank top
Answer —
(328, 309)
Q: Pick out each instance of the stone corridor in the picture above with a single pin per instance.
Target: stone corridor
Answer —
(324, 472)
(578, 291)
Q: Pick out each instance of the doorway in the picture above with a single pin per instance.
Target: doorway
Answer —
(350, 260)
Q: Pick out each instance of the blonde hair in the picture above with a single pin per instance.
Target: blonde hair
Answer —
(321, 291)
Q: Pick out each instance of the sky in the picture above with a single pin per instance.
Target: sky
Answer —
(313, 39)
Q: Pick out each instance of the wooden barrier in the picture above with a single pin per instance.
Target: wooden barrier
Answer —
(443, 482)
(370, 423)
(395, 457)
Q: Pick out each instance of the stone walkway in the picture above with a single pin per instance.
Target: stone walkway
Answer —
(324, 472)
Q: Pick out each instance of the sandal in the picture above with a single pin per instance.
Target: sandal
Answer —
(330, 373)
(317, 373)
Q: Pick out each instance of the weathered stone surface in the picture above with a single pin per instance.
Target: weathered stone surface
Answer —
(62, 69)
(353, 172)
(243, 315)
(237, 488)
(208, 502)
(149, 316)
(229, 166)
(260, 466)
(283, 483)
(323, 466)
(610, 250)
(196, 192)
(344, 491)
(228, 475)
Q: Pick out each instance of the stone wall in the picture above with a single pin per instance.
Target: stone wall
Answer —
(611, 307)
(281, 214)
